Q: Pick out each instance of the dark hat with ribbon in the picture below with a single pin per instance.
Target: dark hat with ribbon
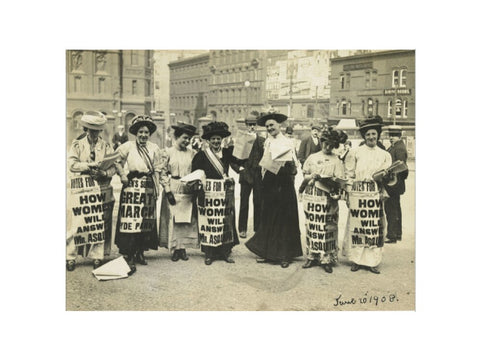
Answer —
(395, 130)
(317, 127)
(334, 137)
(374, 122)
(215, 128)
(279, 118)
(142, 120)
(185, 128)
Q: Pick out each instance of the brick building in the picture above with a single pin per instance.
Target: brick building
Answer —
(379, 83)
(189, 80)
(114, 82)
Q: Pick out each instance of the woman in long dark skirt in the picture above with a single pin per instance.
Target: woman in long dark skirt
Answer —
(278, 236)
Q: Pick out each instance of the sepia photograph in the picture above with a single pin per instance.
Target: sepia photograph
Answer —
(251, 180)
(246, 180)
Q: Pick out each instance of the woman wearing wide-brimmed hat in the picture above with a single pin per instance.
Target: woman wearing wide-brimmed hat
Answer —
(137, 215)
(216, 204)
(278, 236)
(365, 166)
(89, 226)
(321, 208)
(178, 220)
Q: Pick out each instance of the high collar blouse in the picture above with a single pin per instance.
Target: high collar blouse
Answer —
(129, 155)
(362, 162)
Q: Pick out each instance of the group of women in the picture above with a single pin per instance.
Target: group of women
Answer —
(148, 173)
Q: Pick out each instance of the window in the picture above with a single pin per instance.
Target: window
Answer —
(370, 79)
(398, 107)
(342, 82)
(389, 106)
(395, 78)
(347, 81)
(405, 108)
(403, 78)
(399, 78)
(370, 107)
(363, 107)
(134, 87)
(344, 107)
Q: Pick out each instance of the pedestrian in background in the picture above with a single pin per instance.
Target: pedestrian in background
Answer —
(85, 154)
(250, 179)
(324, 164)
(178, 230)
(137, 216)
(396, 186)
(362, 166)
(215, 161)
(278, 236)
(310, 145)
(120, 137)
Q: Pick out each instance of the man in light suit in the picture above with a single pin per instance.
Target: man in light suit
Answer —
(310, 145)
(251, 179)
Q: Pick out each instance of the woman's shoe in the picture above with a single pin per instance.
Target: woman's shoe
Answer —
(175, 255)
(140, 258)
(208, 261)
(70, 265)
(355, 267)
(284, 264)
(328, 268)
(183, 255)
(374, 270)
(133, 268)
(96, 263)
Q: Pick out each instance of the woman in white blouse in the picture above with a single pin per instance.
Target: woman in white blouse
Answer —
(137, 216)
(365, 165)
(178, 221)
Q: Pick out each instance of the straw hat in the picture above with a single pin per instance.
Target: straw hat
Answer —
(93, 120)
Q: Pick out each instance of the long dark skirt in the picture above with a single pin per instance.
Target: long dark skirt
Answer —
(278, 235)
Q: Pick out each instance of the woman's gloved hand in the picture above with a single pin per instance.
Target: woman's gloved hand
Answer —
(170, 198)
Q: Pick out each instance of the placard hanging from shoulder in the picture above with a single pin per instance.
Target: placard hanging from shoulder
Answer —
(216, 216)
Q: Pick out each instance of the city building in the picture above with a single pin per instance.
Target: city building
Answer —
(237, 84)
(162, 79)
(114, 82)
(379, 83)
(189, 79)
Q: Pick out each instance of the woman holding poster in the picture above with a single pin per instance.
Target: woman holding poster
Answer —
(365, 165)
(216, 204)
(137, 216)
(90, 198)
(178, 223)
(321, 209)
(278, 235)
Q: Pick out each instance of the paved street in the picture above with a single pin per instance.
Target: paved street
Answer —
(246, 285)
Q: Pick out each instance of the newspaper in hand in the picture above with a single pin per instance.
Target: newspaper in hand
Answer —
(108, 161)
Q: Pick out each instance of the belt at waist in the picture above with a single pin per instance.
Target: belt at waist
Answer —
(137, 174)
(176, 177)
